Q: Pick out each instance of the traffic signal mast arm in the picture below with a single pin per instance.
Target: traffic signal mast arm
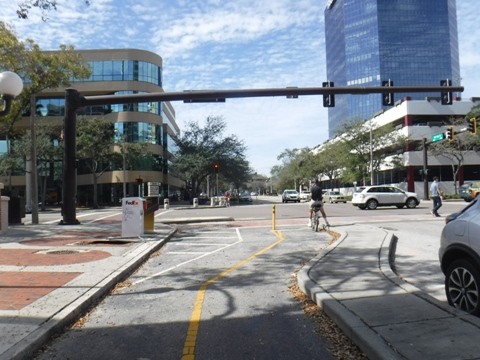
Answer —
(246, 93)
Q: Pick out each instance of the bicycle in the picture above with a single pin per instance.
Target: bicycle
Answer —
(316, 220)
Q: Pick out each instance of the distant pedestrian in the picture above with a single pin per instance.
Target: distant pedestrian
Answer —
(437, 195)
(227, 199)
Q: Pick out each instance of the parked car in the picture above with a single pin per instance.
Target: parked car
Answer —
(469, 191)
(254, 193)
(290, 195)
(334, 197)
(459, 256)
(245, 197)
(305, 195)
(370, 197)
(464, 192)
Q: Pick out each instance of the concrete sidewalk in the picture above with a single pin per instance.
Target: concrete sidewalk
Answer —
(353, 283)
(49, 275)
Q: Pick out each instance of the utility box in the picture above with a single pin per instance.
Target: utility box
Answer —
(133, 212)
(149, 219)
(16, 210)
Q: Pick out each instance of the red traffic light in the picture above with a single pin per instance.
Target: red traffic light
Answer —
(215, 168)
(138, 181)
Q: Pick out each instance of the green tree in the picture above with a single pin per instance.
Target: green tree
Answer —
(297, 168)
(367, 144)
(95, 139)
(456, 150)
(48, 152)
(202, 147)
(131, 156)
(40, 71)
(330, 160)
(45, 5)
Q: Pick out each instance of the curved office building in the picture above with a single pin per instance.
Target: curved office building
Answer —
(122, 71)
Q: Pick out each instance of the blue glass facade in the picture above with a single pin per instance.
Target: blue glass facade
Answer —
(124, 70)
(411, 42)
(56, 107)
(132, 132)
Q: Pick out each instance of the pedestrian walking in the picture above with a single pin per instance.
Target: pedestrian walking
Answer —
(437, 195)
(227, 199)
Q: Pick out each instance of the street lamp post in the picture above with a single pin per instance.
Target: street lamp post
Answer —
(11, 85)
(371, 150)
(371, 154)
(124, 163)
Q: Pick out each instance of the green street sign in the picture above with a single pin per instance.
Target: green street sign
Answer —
(438, 137)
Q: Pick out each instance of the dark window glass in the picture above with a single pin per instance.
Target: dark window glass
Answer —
(411, 42)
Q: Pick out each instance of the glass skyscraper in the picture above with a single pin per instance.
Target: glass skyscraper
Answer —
(410, 42)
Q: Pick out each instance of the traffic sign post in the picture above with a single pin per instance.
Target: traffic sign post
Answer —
(438, 137)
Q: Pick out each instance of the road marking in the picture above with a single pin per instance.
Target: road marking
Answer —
(192, 332)
(186, 252)
(206, 237)
(83, 215)
(162, 213)
(105, 217)
(197, 244)
(189, 261)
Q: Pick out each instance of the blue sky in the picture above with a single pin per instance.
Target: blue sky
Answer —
(228, 44)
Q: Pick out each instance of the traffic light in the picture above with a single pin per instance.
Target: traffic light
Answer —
(450, 133)
(446, 96)
(138, 181)
(328, 99)
(387, 98)
(215, 168)
(472, 125)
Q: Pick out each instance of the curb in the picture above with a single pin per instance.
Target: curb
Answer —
(34, 341)
(363, 336)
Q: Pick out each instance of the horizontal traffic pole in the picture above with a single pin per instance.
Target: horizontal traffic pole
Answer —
(218, 95)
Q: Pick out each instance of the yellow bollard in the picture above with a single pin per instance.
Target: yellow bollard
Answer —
(149, 222)
(273, 217)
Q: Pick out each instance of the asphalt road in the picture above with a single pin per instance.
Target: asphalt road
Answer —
(235, 279)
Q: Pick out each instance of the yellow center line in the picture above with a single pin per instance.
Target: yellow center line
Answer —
(192, 332)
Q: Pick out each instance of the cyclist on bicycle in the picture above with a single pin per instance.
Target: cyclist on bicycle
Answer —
(316, 200)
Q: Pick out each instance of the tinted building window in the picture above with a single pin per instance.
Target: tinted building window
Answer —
(132, 132)
(411, 42)
(124, 70)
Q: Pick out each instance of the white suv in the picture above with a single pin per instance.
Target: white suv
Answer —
(290, 195)
(370, 197)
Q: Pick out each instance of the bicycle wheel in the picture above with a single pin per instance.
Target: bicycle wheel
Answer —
(316, 221)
